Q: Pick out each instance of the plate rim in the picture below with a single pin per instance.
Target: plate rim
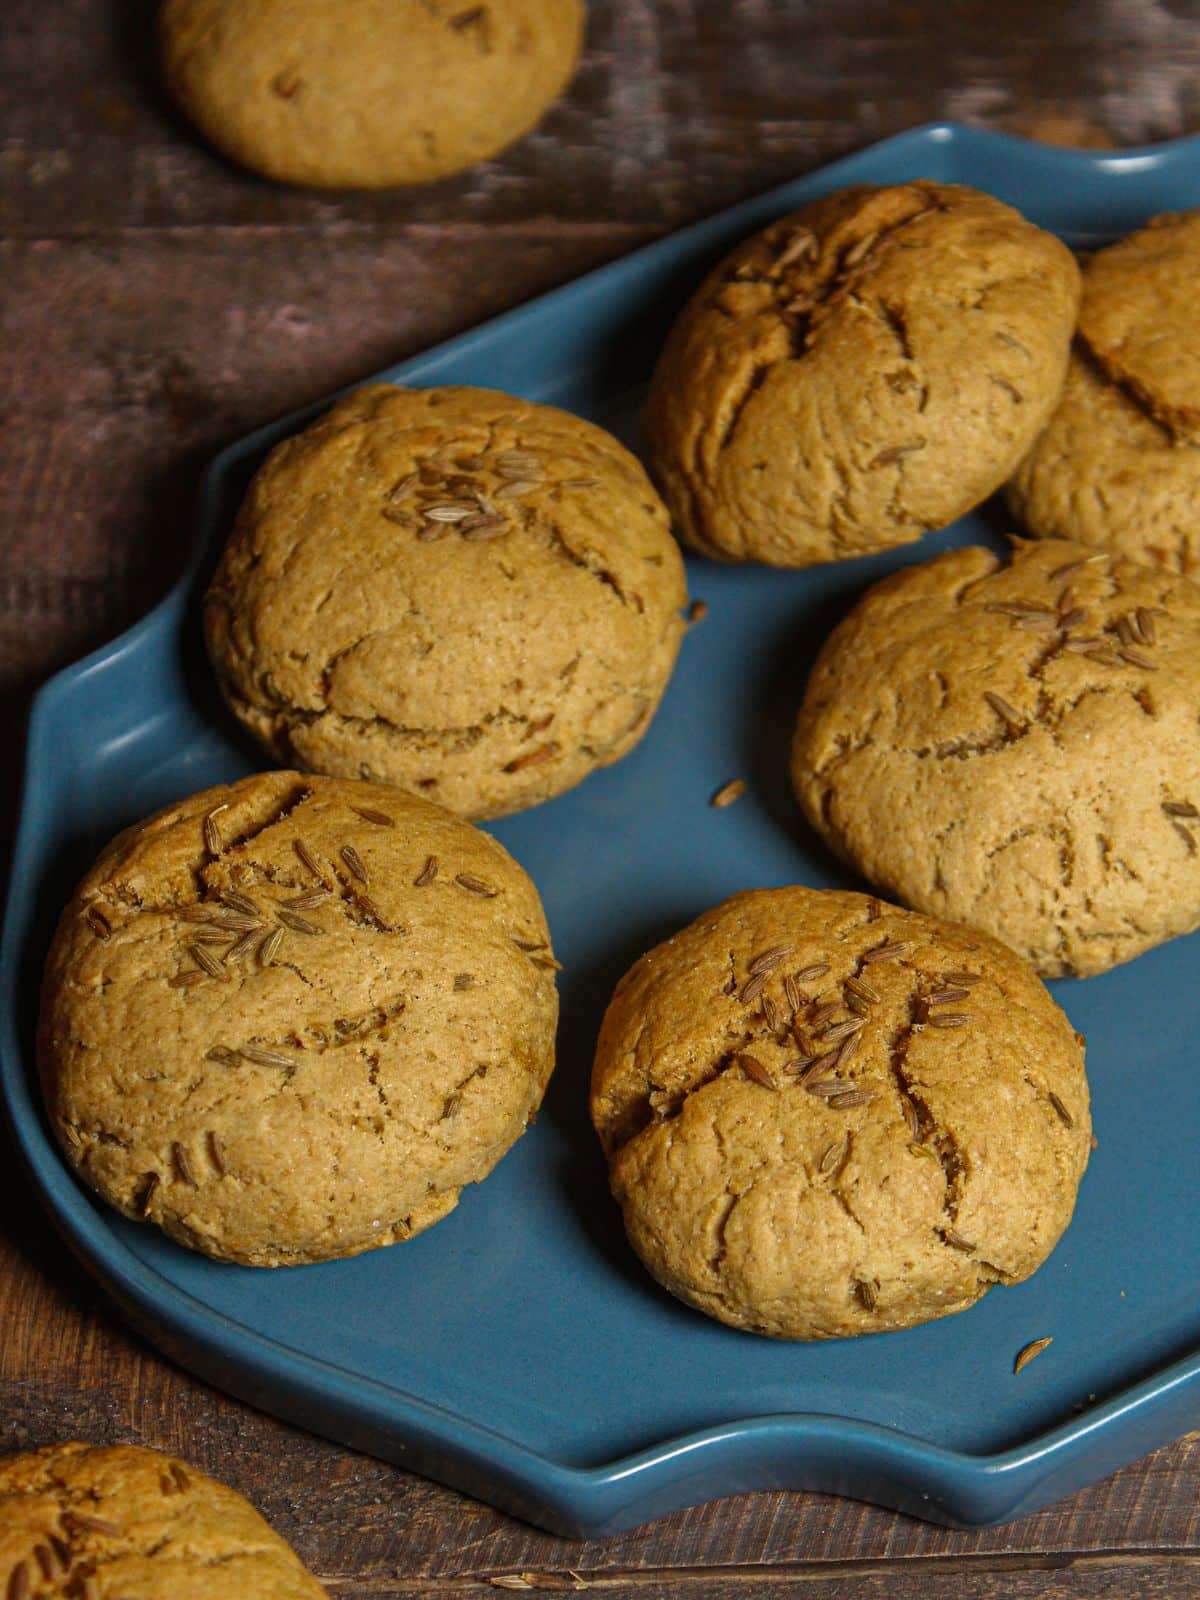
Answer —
(905, 1470)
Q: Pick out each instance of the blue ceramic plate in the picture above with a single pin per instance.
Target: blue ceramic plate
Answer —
(518, 1350)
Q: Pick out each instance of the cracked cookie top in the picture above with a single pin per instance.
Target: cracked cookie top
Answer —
(79, 1520)
(1119, 462)
(864, 370)
(465, 594)
(1017, 747)
(287, 1019)
(826, 1116)
(312, 92)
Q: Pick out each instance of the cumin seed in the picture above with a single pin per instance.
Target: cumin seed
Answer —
(269, 948)
(293, 920)
(306, 901)
(698, 610)
(808, 974)
(1006, 712)
(956, 1240)
(212, 834)
(950, 1019)
(865, 1293)
(267, 1058)
(770, 1013)
(833, 1156)
(307, 857)
(535, 758)
(182, 1165)
(822, 1013)
(240, 902)
(1030, 1352)
(474, 885)
(216, 1151)
(792, 993)
(207, 962)
(1064, 1116)
(95, 1524)
(754, 1070)
(753, 987)
(962, 980)
(186, 980)
(842, 1030)
(1180, 808)
(427, 873)
(148, 1192)
(1146, 625)
(354, 863)
(728, 793)
(895, 453)
(863, 990)
(892, 951)
(379, 818)
(1137, 658)
(849, 1098)
(98, 923)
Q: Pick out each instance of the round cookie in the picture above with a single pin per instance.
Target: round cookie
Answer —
(288, 1019)
(369, 93)
(151, 1526)
(826, 1116)
(1016, 747)
(868, 368)
(469, 595)
(1119, 461)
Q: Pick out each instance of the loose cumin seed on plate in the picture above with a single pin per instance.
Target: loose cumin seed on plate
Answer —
(698, 610)
(1029, 1352)
(728, 793)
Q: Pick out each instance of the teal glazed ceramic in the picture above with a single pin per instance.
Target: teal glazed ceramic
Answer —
(517, 1350)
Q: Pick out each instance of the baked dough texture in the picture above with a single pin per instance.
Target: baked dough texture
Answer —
(80, 1520)
(487, 660)
(364, 94)
(827, 1116)
(1017, 747)
(288, 1019)
(1118, 464)
(864, 370)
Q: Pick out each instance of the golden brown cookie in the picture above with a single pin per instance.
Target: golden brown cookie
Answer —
(288, 1019)
(1119, 462)
(868, 368)
(827, 1116)
(80, 1521)
(363, 94)
(1017, 747)
(469, 595)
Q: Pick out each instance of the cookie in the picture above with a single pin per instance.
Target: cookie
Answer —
(1118, 464)
(469, 595)
(857, 373)
(826, 1116)
(80, 1520)
(1016, 747)
(288, 1019)
(367, 95)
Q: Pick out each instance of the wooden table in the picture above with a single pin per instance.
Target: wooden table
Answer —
(157, 304)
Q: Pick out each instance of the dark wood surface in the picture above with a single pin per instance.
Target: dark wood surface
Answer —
(156, 304)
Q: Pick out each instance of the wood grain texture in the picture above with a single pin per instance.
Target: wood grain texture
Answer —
(158, 303)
